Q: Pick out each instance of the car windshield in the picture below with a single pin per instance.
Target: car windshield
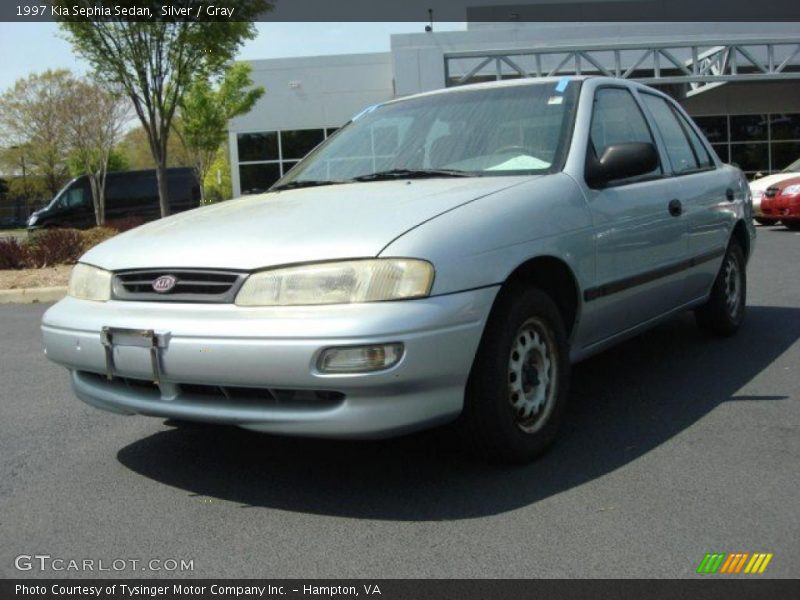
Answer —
(60, 199)
(512, 130)
(792, 168)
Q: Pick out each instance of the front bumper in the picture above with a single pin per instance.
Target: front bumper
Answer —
(782, 209)
(214, 359)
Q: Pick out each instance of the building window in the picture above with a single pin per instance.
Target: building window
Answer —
(298, 143)
(266, 156)
(750, 157)
(749, 128)
(715, 128)
(756, 143)
(722, 152)
(785, 127)
(784, 154)
(258, 146)
(256, 178)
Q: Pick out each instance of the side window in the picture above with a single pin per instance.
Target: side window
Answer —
(697, 145)
(617, 119)
(680, 152)
(74, 197)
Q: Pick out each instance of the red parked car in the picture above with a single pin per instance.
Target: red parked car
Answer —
(782, 202)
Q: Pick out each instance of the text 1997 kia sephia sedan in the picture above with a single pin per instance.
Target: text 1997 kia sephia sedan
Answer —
(442, 257)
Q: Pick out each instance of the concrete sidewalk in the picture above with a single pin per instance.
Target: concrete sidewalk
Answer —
(32, 295)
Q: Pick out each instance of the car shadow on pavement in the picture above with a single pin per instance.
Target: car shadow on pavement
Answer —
(624, 403)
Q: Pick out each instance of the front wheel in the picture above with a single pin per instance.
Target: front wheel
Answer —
(518, 386)
(723, 313)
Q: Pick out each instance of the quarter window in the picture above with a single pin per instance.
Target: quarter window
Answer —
(679, 150)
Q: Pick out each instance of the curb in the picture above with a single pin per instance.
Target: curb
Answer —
(32, 295)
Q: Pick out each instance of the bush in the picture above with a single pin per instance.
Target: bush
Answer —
(54, 247)
(126, 223)
(96, 235)
(50, 247)
(12, 254)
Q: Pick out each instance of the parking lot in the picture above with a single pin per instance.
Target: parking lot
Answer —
(676, 444)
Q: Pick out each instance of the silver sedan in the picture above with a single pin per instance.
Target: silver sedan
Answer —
(442, 257)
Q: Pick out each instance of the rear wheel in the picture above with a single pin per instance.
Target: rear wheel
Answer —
(518, 386)
(793, 225)
(723, 313)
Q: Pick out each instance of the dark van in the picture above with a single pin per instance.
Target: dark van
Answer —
(128, 194)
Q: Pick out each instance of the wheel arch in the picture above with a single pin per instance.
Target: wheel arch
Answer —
(554, 277)
(740, 234)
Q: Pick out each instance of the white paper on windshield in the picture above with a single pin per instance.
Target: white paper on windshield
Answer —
(520, 163)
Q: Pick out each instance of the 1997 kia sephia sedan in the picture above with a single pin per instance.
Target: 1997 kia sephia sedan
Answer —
(442, 257)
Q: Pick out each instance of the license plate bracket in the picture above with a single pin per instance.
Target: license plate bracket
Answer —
(142, 338)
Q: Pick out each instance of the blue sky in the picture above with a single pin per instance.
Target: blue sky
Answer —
(29, 47)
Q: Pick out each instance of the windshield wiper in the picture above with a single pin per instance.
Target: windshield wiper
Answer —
(412, 174)
(301, 183)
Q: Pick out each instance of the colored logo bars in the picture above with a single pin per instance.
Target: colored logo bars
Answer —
(735, 563)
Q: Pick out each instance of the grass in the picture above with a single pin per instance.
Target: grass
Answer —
(17, 232)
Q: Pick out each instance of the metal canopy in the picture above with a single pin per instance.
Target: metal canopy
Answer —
(701, 65)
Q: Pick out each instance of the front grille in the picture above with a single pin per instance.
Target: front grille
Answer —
(191, 285)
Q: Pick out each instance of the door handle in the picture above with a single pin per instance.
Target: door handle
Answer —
(675, 207)
(729, 195)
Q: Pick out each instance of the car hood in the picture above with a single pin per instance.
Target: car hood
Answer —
(310, 224)
(761, 184)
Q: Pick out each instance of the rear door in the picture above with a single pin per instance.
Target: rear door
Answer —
(637, 240)
(703, 190)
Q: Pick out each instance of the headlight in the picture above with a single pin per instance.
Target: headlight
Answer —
(791, 190)
(339, 283)
(89, 283)
(32, 220)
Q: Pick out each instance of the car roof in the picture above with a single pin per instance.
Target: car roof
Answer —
(518, 82)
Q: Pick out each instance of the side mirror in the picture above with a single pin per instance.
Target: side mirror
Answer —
(621, 161)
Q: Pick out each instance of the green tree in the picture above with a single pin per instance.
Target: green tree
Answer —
(218, 184)
(32, 128)
(205, 112)
(135, 147)
(94, 118)
(155, 61)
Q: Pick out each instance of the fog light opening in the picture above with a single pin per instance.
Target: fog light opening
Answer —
(360, 359)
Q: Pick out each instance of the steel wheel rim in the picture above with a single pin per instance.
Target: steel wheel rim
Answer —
(733, 286)
(532, 379)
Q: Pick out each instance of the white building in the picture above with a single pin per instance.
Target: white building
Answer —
(740, 81)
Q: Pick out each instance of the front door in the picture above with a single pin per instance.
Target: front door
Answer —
(639, 240)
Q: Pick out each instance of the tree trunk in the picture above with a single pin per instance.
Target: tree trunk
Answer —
(163, 193)
(198, 175)
(97, 201)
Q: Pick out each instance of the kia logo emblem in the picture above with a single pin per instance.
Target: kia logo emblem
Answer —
(164, 284)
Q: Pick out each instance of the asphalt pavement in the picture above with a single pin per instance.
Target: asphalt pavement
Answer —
(676, 444)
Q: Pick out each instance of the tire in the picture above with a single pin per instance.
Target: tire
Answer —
(723, 313)
(792, 225)
(524, 344)
(765, 221)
